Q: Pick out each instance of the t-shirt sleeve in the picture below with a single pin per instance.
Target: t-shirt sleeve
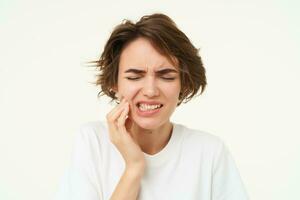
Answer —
(79, 180)
(227, 183)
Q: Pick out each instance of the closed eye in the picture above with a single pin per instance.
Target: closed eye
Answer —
(132, 78)
(136, 78)
(168, 78)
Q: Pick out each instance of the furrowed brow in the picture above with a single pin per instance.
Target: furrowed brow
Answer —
(136, 71)
(166, 71)
(159, 72)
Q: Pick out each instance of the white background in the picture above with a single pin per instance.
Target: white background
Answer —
(251, 53)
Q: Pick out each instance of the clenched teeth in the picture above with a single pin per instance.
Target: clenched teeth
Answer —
(144, 107)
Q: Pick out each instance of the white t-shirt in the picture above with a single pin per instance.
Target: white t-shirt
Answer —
(194, 165)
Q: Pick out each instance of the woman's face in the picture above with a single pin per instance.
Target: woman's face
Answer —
(148, 78)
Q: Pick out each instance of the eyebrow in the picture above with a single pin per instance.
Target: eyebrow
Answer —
(161, 72)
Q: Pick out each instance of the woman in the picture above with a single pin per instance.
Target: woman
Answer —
(151, 67)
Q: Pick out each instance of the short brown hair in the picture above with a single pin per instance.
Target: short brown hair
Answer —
(165, 36)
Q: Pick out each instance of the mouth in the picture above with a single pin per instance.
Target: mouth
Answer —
(144, 109)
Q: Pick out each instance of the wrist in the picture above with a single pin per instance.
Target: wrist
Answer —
(136, 171)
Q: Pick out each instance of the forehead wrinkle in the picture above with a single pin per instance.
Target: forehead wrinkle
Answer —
(132, 59)
(145, 65)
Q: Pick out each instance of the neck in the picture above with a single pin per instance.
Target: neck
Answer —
(154, 140)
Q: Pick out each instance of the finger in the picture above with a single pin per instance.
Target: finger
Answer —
(122, 119)
(117, 127)
(114, 110)
(112, 116)
(125, 123)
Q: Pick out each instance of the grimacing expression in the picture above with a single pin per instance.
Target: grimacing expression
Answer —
(146, 75)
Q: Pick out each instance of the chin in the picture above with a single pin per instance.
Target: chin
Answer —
(148, 123)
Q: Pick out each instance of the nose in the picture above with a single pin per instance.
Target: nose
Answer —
(150, 88)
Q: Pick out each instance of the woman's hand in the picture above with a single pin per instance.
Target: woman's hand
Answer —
(118, 123)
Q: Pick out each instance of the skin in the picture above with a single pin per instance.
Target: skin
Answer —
(151, 134)
(133, 134)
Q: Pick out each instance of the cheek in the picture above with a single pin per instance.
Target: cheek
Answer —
(129, 91)
(171, 91)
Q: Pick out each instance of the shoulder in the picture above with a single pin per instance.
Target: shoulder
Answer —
(201, 141)
(93, 126)
(199, 137)
(92, 132)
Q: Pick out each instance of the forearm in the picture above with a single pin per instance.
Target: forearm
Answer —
(128, 186)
